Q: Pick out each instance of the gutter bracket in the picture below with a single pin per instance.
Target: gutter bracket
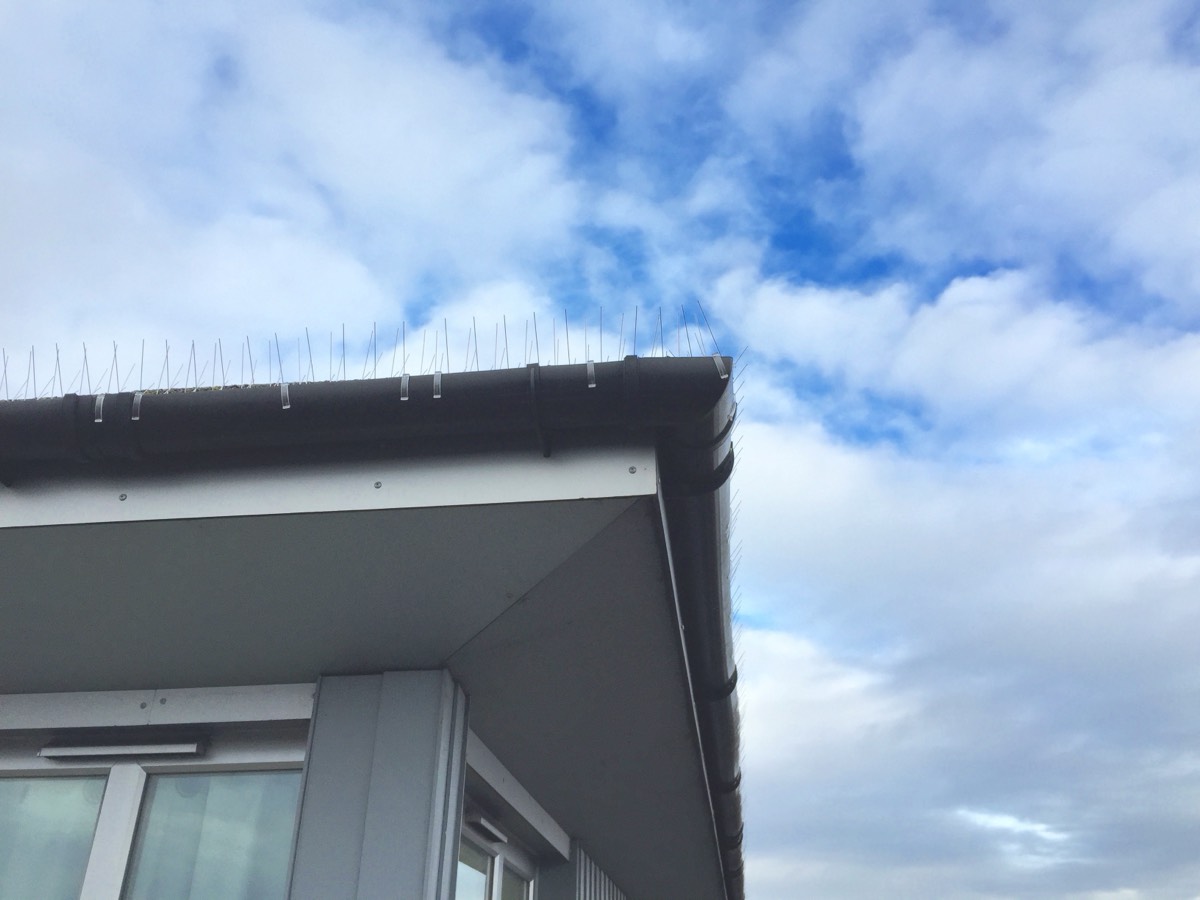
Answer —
(721, 370)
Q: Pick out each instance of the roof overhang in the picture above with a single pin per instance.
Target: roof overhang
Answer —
(557, 588)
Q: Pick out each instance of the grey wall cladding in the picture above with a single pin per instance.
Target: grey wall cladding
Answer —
(577, 879)
(382, 801)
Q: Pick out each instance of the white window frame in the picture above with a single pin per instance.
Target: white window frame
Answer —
(257, 728)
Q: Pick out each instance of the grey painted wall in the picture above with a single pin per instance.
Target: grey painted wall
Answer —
(381, 808)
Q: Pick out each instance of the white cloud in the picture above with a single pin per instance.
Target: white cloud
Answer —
(786, 679)
(181, 169)
(1016, 135)
(442, 163)
(1013, 640)
(995, 362)
(1050, 136)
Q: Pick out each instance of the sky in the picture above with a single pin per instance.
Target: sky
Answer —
(953, 244)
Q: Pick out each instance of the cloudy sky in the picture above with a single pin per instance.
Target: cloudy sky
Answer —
(960, 240)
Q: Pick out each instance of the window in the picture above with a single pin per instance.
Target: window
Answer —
(220, 834)
(46, 827)
(148, 812)
(490, 866)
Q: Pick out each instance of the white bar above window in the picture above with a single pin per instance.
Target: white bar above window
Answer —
(167, 706)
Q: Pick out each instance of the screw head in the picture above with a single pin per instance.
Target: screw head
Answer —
(378, 484)
(123, 496)
(162, 701)
(143, 704)
(633, 470)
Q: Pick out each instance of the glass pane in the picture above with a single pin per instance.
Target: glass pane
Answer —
(513, 886)
(220, 836)
(46, 827)
(471, 883)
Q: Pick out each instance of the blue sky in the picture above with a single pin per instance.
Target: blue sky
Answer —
(959, 240)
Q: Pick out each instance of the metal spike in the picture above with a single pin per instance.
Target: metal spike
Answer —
(165, 372)
(716, 346)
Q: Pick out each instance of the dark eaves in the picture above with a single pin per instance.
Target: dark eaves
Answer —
(686, 404)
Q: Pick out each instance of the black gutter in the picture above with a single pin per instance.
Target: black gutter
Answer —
(686, 404)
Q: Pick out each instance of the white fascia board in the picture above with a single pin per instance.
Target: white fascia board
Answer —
(169, 706)
(468, 480)
(503, 782)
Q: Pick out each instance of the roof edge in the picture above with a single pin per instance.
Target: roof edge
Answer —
(219, 425)
(686, 403)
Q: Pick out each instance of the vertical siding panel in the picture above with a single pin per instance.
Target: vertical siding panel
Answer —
(592, 883)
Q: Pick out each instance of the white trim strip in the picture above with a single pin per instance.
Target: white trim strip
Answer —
(166, 706)
(491, 770)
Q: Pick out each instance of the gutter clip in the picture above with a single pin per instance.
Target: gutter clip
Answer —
(721, 370)
(283, 396)
(591, 370)
(437, 385)
(137, 407)
(404, 386)
(98, 409)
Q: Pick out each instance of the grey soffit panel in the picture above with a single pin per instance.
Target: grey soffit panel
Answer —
(581, 691)
(270, 599)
